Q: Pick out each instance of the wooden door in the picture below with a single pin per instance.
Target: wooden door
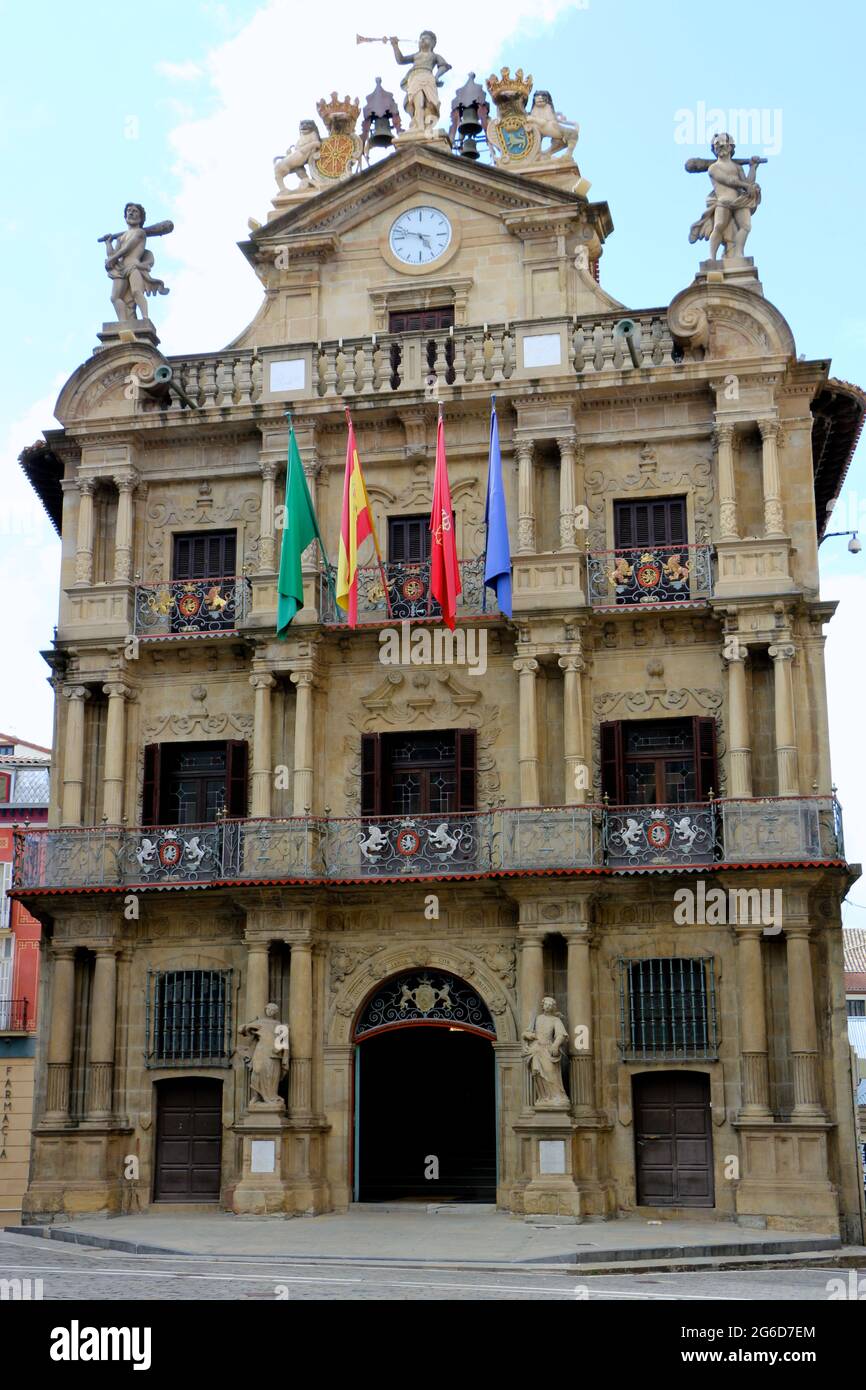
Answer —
(188, 1140)
(673, 1139)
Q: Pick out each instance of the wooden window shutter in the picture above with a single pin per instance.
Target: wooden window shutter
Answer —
(150, 791)
(706, 763)
(237, 759)
(612, 769)
(371, 774)
(467, 769)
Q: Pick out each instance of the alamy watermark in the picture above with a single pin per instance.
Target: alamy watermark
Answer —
(715, 907)
(438, 646)
(752, 125)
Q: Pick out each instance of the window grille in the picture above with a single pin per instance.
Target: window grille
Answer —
(188, 1018)
(667, 1009)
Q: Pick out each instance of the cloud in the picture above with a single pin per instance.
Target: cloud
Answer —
(180, 72)
(266, 78)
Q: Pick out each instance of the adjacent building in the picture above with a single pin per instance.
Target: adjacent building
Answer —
(552, 915)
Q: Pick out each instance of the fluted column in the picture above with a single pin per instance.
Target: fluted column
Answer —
(301, 1029)
(774, 519)
(126, 484)
(575, 791)
(724, 441)
(312, 472)
(579, 1018)
(257, 979)
(530, 989)
(802, 1027)
(738, 718)
(60, 1035)
(267, 541)
(73, 753)
(115, 751)
(84, 537)
(526, 668)
(102, 1033)
(262, 770)
(753, 1022)
(525, 497)
(302, 792)
(565, 444)
(786, 741)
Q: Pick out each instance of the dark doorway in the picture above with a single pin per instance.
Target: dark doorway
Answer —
(673, 1140)
(423, 1093)
(188, 1140)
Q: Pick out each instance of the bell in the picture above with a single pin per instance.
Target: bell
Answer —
(469, 149)
(381, 136)
(469, 122)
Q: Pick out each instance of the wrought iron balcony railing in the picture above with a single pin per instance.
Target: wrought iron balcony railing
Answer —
(787, 830)
(14, 1016)
(400, 590)
(183, 606)
(649, 574)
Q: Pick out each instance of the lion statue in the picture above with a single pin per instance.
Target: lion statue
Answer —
(298, 156)
(549, 122)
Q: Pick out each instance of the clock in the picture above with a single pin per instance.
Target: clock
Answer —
(420, 236)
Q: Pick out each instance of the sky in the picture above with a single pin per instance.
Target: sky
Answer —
(183, 104)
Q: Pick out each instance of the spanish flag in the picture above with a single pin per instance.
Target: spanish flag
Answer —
(355, 526)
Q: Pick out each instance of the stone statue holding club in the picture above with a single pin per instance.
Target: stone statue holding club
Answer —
(735, 196)
(129, 264)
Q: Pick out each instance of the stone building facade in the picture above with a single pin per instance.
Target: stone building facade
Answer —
(407, 859)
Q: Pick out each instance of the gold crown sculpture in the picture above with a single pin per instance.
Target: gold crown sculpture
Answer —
(508, 86)
(334, 110)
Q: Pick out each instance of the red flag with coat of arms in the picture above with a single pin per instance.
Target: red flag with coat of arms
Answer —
(444, 569)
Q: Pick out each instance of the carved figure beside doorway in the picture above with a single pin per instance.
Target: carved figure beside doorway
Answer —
(543, 1044)
(269, 1059)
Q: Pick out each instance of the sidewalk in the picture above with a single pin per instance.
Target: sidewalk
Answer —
(438, 1235)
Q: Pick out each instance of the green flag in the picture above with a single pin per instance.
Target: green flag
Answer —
(300, 528)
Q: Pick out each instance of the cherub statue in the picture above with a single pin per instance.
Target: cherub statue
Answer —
(422, 83)
(129, 264)
(548, 121)
(735, 196)
(298, 156)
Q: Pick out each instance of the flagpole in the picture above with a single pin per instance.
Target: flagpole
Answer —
(373, 534)
(328, 575)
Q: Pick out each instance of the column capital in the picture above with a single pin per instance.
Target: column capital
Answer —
(782, 651)
(269, 469)
(86, 486)
(64, 952)
(262, 680)
(106, 951)
(739, 653)
(302, 678)
(770, 427)
(76, 692)
(747, 932)
(571, 662)
(521, 664)
(797, 931)
(257, 945)
(524, 449)
(127, 480)
(723, 434)
(566, 442)
(118, 690)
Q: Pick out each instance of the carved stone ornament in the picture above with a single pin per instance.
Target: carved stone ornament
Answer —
(268, 1059)
(543, 1049)
(517, 135)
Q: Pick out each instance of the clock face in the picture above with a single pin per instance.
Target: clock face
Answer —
(420, 236)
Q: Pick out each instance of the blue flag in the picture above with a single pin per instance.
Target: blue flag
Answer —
(497, 554)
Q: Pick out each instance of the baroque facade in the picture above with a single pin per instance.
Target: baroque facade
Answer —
(461, 885)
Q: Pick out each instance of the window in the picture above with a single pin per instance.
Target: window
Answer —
(667, 1008)
(188, 1018)
(648, 525)
(421, 320)
(194, 783)
(428, 773)
(856, 1008)
(408, 568)
(5, 885)
(204, 555)
(7, 960)
(5, 786)
(409, 539)
(658, 762)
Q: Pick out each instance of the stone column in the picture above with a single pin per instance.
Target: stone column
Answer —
(801, 1023)
(301, 1029)
(84, 538)
(753, 1022)
(126, 484)
(73, 754)
(302, 791)
(786, 743)
(257, 979)
(115, 751)
(267, 541)
(774, 519)
(262, 770)
(530, 989)
(310, 557)
(60, 1035)
(565, 444)
(102, 1030)
(738, 716)
(724, 441)
(581, 1045)
(526, 668)
(576, 767)
(525, 497)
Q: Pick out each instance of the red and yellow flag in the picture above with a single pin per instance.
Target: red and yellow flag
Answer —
(444, 570)
(356, 525)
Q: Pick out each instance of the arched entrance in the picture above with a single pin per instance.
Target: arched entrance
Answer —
(425, 1092)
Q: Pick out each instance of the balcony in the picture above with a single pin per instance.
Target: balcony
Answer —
(184, 607)
(14, 1016)
(400, 590)
(789, 830)
(649, 575)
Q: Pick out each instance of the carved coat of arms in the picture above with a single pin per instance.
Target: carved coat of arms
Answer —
(341, 148)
